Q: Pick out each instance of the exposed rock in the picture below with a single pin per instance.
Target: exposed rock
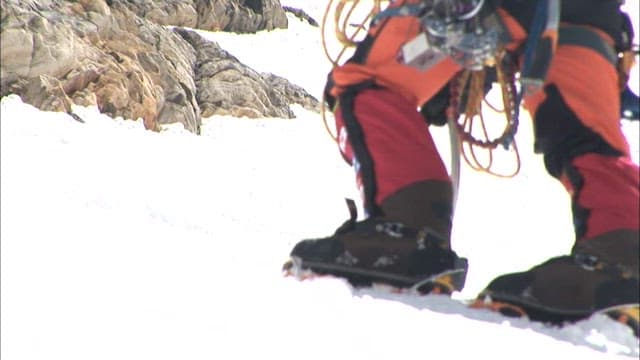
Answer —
(45, 92)
(227, 87)
(241, 16)
(166, 12)
(97, 52)
(110, 54)
(300, 14)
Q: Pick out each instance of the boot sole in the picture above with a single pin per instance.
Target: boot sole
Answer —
(511, 306)
(443, 283)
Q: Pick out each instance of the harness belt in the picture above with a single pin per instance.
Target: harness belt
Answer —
(585, 37)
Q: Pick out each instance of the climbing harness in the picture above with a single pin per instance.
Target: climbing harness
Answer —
(474, 37)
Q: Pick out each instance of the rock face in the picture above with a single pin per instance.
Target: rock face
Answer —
(227, 87)
(299, 13)
(118, 55)
(242, 16)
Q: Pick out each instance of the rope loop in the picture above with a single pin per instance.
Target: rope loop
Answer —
(465, 111)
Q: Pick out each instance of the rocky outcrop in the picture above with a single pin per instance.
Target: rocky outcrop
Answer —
(240, 16)
(227, 87)
(105, 53)
(244, 16)
(301, 14)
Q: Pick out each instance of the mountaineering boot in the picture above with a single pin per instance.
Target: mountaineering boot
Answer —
(599, 276)
(406, 247)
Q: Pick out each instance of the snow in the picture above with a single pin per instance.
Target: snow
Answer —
(120, 243)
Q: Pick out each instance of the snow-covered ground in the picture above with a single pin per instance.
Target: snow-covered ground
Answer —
(120, 243)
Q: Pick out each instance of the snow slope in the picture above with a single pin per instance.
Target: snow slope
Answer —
(119, 243)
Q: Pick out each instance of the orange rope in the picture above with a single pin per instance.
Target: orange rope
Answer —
(470, 145)
(342, 23)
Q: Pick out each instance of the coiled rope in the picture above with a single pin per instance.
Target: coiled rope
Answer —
(469, 119)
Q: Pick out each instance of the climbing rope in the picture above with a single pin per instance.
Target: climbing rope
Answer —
(346, 31)
(465, 112)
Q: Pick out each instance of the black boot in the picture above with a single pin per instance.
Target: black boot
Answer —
(400, 248)
(600, 275)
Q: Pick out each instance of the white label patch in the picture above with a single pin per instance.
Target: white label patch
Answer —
(419, 54)
(414, 48)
